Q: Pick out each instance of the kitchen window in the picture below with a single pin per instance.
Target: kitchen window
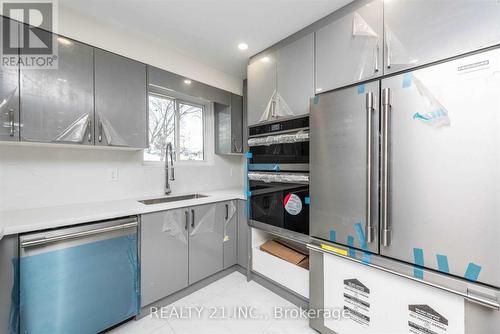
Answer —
(178, 122)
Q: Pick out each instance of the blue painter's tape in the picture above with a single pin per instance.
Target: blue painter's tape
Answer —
(267, 167)
(418, 255)
(407, 80)
(472, 272)
(333, 235)
(248, 155)
(316, 99)
(442, 261)
(361, 89)
(350, 243)
(361, 236)
(366, 257)
(249, 194)
(307, 200)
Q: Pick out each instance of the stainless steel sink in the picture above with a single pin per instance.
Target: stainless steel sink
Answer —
(171, 199)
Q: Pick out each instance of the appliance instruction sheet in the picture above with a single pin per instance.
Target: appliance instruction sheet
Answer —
(379, 302)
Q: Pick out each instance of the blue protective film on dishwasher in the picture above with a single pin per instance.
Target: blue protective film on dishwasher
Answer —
(350, 243)
(80, 289)
(418, 255)
(472, 272)
(442, 261)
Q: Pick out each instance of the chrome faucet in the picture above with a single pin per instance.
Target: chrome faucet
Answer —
(169, 168)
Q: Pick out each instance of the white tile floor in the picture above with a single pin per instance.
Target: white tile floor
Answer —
(228, 293)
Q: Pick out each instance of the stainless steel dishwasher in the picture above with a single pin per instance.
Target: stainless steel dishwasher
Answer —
(81, 279)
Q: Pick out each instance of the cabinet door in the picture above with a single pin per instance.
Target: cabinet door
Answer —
(205, 242)
(236, 123)
(261, 86)
(58, 104)
(349, 49)
(9, 94)
(227, 212)
(8, 272)
(344, 151)
(420, 32)
(295, 74)
(120, 101)
(164, 254)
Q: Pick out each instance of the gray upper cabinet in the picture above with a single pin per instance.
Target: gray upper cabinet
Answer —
(229, 126)
(420, 32)
(205, 242)
(228, 213)
(120, 101)
(295, 74)
(261, 74)
(349, 49)
(9, 92)
(58, 104)
(164, 254)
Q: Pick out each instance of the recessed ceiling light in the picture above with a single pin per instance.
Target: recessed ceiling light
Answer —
(265, 60)
(187, 82)
(243, 46)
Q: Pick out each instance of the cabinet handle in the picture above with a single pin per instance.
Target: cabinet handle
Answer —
(89, 127)
(227, 212)
(370, 231)
(388, 55)
(386, 228)
(192, 218)
(377, 50)
(100, 132)
(273, 109)
(187, 220)
(11, 122)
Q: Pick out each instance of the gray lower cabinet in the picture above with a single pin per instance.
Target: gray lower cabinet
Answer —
(261, 74)
(58, 104)
(9, 311)
(243, 233)
(229, 126)
(295, 74)
(420, 32)
(120, 101)
(164, 254)
(9, 92)
(349, 49)
(205, 242)
(228, 213)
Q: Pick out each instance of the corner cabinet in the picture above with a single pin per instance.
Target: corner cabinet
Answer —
(120, 101)
(349, 49)
(421, 32)
(57, 105)
(229, 126)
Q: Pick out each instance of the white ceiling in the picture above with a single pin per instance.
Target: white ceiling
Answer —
(209, 30)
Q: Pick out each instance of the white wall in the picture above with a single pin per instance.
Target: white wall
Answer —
(38, 176)
(83, 29)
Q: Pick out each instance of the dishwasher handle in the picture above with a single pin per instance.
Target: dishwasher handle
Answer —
(76, 235)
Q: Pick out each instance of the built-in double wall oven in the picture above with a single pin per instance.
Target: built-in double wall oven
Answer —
(278, 174)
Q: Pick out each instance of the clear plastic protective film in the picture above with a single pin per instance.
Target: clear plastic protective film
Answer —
(75, 132)
(276, 107)
(206, 223)
(363, 31)
(397, 53)
(173, 224)
(279, 177)
(81, 289)
(296, 137)
(112, 136)
(435, 115)
(231, 212)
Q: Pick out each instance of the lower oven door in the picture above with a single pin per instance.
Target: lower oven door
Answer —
(280, 205)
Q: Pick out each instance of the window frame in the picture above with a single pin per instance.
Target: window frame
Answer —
(179, 98)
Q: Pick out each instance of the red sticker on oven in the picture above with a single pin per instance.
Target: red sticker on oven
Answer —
(293, 204)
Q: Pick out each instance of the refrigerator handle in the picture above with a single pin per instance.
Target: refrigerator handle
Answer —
(369, 229)
(386, 224)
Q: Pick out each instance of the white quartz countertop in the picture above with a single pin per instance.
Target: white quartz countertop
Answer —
(27, 220)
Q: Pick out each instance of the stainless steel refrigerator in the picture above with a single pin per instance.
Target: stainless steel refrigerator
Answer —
(408, 167)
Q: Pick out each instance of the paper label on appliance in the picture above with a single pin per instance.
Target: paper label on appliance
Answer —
(357, 301)
(423, 319)
(293, 204)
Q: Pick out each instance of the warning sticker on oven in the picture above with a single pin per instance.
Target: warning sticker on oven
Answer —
(357, 301)
(293, 204)
(425, 320)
